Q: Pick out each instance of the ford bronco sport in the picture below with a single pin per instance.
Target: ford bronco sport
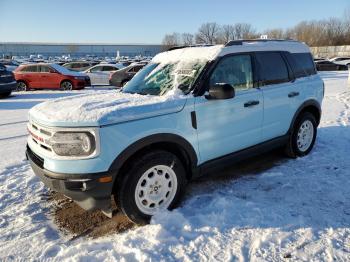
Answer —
(188, 112)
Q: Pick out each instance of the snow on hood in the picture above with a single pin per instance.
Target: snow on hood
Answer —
(105, 107)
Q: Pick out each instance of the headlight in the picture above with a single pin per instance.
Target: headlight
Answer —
(79, 77)
(73, 143)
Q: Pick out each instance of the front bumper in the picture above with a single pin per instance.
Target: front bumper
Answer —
(7, 87)
(85, 189)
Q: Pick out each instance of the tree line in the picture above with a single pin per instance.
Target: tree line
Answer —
(327, 32)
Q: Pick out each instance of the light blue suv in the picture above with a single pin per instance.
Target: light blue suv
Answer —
(190, 111)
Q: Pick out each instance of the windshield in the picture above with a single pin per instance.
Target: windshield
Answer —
(159, 78)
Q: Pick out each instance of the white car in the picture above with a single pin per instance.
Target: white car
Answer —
(99, 74)
(341, 60)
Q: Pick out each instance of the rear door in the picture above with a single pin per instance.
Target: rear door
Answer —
(32, 76)
(95, 75)
(277, 83)
(106, 70)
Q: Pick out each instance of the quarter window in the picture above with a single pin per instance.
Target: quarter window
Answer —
(234, 70)
(303, 64)
(272, 68)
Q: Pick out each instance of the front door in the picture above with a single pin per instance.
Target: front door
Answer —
(227, 126)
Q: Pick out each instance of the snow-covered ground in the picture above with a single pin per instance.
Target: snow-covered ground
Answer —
(297, 210)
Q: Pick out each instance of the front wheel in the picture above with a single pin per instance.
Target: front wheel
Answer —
(303, 136)
(66, 86)
(153, 182)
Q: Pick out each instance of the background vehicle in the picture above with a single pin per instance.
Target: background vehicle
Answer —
(79, 66)
(99, 74)
(10, 64)
(326, 65)
(49, 76)
(341, 60)
(7, 82)
(122, 76)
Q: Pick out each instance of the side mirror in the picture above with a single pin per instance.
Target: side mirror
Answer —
(221, 91)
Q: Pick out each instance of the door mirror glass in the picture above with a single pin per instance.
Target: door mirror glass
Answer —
(221, 91)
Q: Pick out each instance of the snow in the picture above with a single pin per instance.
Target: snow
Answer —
(104, 107)
(296, 210)
(66, 71)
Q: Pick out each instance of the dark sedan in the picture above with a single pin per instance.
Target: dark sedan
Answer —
(7, 82)
(326, 65)
(121, 77)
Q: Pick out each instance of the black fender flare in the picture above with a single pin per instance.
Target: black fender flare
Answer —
(313, 103)
(177, 140)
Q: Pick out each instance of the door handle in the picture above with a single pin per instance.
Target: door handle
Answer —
(293, 94)
(251, 103)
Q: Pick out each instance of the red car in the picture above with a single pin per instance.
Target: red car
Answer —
(32, 76)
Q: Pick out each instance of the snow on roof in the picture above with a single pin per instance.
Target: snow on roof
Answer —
(250, 46)
(188, 54)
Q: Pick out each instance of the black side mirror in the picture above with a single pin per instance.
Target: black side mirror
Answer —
(221, 91)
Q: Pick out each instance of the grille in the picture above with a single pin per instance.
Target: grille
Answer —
(40, 135)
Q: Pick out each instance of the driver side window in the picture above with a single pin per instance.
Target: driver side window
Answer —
(234, 70)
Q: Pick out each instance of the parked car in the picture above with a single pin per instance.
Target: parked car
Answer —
(122, 76)
(79, 66)
(99, 74)
(345, 60)
(33, 76)
(190, 112)
(327, 65)
(7, 82)
(10, 64)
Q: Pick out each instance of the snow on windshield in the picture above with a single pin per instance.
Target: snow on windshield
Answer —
(186, 64)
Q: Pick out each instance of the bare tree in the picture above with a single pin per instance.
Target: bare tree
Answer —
(208, 33)
(276, 33)
(227, 33)
(244, 31)
(170, 40)
(187, 39)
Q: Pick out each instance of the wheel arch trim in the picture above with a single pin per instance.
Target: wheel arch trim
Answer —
(142, 143)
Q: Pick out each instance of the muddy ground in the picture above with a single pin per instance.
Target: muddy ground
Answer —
(76, 222)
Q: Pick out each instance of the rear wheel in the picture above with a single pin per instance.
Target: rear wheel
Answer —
(303, 136)
(66, 85)
(22, 86)
(153, 182)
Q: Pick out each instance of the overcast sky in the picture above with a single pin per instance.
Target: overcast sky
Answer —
(146, 21)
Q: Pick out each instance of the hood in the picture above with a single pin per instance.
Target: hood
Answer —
(104, 108)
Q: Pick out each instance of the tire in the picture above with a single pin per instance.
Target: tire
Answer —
(303, 136)
(141, 188)
(66, 85)
(124, 83)
(4, 95)
(22, 86)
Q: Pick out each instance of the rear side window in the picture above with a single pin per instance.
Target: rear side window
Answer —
(272, 68)
(31, 69)
(109, 68)
(302, 64)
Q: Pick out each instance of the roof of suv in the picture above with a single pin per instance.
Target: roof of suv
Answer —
(291, 46)
(210, 52)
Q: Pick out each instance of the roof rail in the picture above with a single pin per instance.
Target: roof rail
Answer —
(241, 41)
(185, 46)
